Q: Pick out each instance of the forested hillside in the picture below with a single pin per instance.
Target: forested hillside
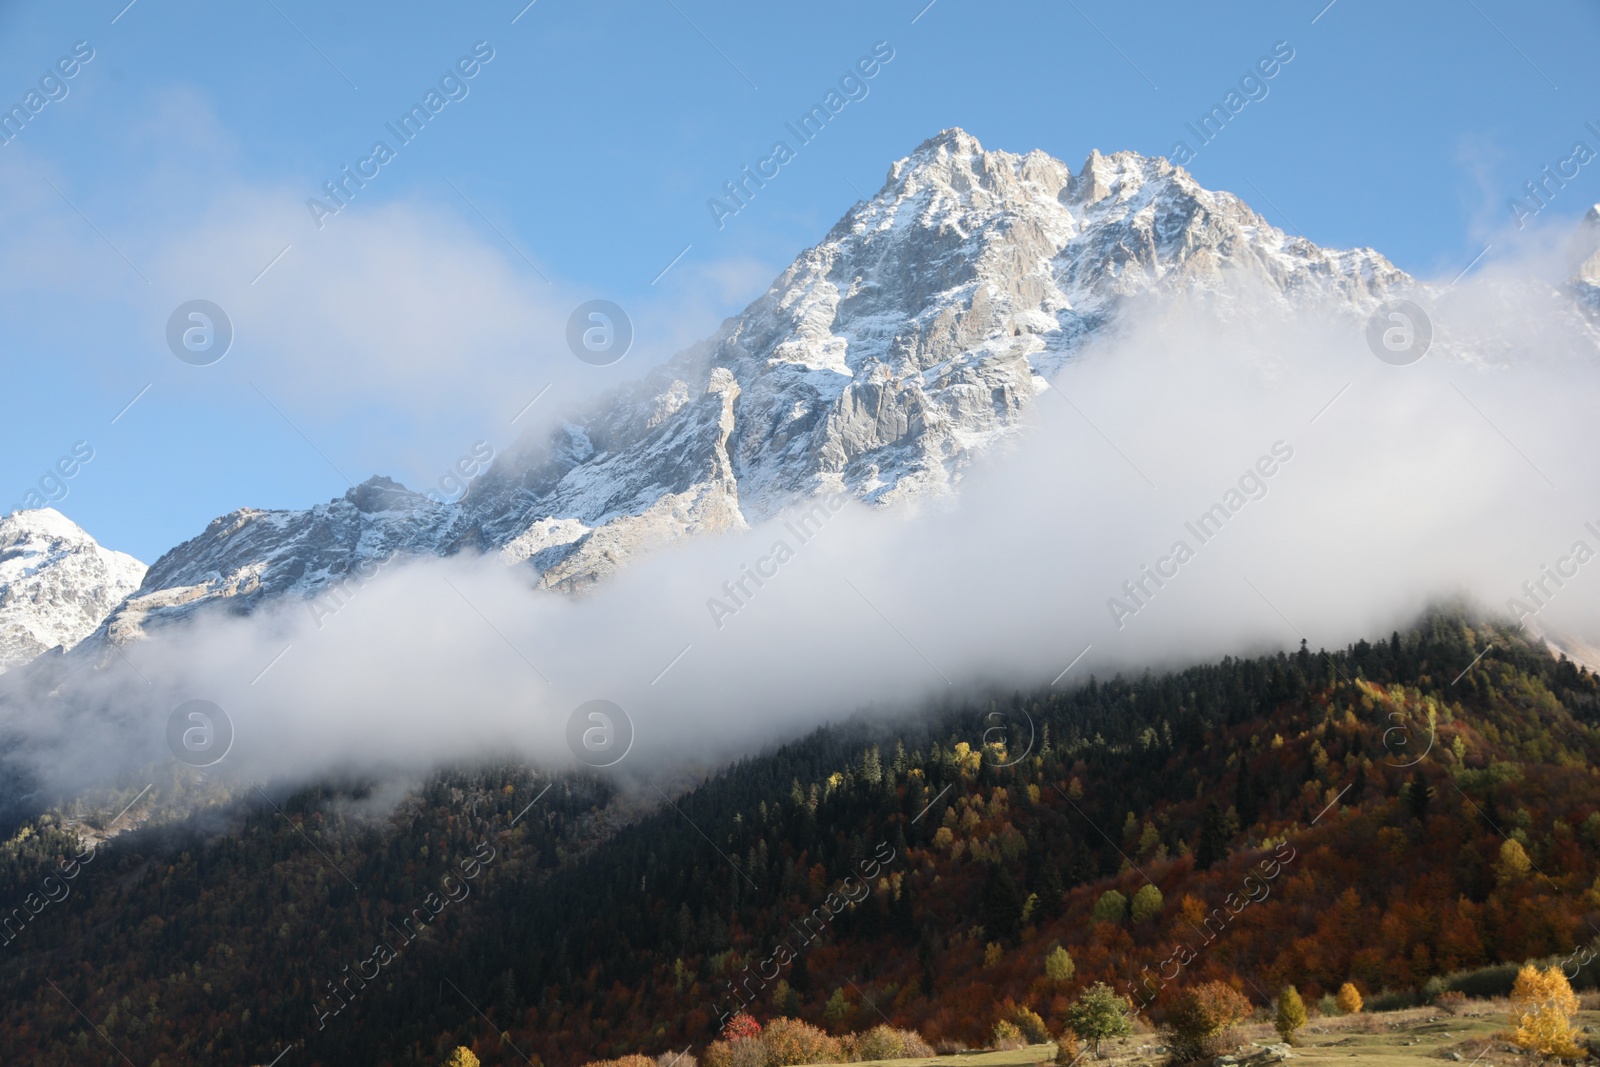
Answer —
(1363, 815)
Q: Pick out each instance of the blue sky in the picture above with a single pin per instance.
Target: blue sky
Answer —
(576, 163)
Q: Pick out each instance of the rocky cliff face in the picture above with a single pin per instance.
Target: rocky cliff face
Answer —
(56, 584)
(884, 358)
(248, 555)
(878, 365)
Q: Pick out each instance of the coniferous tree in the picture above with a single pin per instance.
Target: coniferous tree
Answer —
(1213, 844)
(800, 975)
(903, 916)
(1419, 795)
(925, 962)
(1291, 1014)
(506, 1004)
(1247, 799)
(1002, 906)
(1050, 890)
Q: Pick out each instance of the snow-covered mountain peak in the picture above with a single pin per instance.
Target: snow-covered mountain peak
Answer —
(954, 171)
(33, 525)
(56, 584)
(1589, 245)
(947, 149)
(878, 364)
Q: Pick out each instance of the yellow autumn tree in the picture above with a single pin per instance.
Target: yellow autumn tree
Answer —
(1291, 1014)
(1058, 966)
(967, 761)
(1349, 999)
(461, 1057)
(1542, 1008)
(1513, 863)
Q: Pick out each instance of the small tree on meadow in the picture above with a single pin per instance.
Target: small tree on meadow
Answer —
(748, 1052)
(1033, 1029)
(1349, 999)
(1291, 1013)
(1199, 1017)
(1100, 1012)
(1542, 1007)
(1006, 1036)
(1067, 1051)
(886, 1043)
(785, 1042)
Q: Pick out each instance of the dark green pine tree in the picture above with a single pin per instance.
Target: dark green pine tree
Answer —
(1002, 906)
(902, 918)
(925, 961)
(800, 975)
(1247, 799)
(1050, 890)
(1213, 844)
(1419, 795)
(506, 1004)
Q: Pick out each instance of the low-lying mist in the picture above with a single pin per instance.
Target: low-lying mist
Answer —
(1204, 483)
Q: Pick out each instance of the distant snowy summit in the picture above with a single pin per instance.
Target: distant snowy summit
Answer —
(878, 365)
(56, 584)
(1586, 280)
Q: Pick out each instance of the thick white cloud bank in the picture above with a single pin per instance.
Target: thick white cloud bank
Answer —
(1340, 495)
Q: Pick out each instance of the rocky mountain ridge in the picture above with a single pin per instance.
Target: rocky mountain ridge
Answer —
(879, 365)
